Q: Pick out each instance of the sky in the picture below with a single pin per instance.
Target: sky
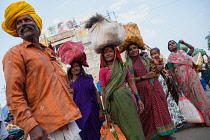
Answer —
(158, 20)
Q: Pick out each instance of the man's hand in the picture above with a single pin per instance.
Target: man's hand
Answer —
(38, 133)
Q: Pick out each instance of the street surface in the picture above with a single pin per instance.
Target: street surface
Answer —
(192, 132)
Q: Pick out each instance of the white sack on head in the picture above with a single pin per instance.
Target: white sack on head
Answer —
(104, 33)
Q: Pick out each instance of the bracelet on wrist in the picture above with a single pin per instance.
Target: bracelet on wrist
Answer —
(137, 96)
(100, 106)
(141, 78)
(106, 111)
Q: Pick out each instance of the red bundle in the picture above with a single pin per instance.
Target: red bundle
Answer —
(72, 51)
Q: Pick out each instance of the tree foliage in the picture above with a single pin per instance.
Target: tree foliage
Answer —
(208, 40)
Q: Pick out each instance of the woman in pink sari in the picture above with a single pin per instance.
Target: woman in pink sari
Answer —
(186, 79)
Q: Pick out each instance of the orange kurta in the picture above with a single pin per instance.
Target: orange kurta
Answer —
(37, 91)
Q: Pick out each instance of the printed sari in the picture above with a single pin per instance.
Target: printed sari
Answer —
(121, 106)
(190, 83)
(85, 98)
(156, 120)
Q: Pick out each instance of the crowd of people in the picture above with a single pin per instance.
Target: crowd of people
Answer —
(47, 103)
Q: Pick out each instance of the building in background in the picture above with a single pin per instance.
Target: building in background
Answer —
(74, 30)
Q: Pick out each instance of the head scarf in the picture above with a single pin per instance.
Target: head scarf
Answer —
(16, 10)
(103, 61)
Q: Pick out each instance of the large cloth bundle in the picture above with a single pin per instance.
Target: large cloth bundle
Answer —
(72, 51)
(104, 32)
(132, 35)
(189, 111)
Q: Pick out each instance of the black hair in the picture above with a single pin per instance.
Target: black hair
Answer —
(109, 46)
(132, 44)
(142, 53)
(156, 49)
(168, 44)
(70, 75)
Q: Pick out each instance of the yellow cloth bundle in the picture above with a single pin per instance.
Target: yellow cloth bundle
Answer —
(16, 10)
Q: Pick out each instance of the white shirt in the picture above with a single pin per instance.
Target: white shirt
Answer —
(3, 131)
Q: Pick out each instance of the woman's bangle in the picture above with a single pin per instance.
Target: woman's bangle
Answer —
(106, 111)
(137, 96)
(100, 106)
(141, 78)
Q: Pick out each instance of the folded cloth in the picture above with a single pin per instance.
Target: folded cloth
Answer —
(72, 51)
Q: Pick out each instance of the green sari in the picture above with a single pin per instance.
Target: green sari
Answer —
(122, 107)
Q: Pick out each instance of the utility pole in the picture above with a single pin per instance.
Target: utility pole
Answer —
(108, 15)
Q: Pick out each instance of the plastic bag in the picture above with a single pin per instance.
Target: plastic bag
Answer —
(106, 33)
(113, 133)
(72, 51)
(189, 111)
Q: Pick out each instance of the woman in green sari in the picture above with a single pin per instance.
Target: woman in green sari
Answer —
(119, 105)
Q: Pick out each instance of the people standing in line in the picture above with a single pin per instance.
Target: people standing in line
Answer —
(173, 108)
(88, 100)
(37, 91)
(118, 102)
(155, 118)
(186, 78)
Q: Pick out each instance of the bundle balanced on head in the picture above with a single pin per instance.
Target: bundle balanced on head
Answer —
(119, 106)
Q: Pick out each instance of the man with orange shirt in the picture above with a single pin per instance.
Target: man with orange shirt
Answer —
(36, 87)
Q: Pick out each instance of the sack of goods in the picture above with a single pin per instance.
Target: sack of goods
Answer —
(72, 51)
(189, 111)
(104, 32)
(132, 36)
(111, 133)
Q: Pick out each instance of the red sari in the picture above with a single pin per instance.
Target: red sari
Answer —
(156, 120)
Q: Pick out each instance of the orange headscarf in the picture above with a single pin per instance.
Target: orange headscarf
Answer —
(16, 10)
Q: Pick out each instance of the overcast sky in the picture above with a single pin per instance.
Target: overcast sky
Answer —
(158, 20)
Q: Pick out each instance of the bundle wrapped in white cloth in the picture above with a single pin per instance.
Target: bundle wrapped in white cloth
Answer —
(104, 32)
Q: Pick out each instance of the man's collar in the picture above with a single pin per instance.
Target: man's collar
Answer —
(28, 43)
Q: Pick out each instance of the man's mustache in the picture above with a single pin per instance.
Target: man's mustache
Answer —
(25, 26)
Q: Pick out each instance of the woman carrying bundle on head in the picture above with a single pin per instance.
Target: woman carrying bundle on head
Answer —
(155, 118)
(85, 94)
(119, 105)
